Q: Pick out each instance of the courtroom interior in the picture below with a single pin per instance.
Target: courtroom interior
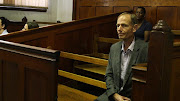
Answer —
(65, 55)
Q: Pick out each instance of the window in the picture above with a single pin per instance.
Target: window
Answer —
(24, 4)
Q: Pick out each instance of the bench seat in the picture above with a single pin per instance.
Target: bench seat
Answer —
(92, 68)
(66, 93)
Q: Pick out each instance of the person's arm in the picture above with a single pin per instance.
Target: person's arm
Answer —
(147, 32)
(147, 36)
(111, 89)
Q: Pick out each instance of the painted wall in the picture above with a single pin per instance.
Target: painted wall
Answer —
(64, 11)
(57, 10)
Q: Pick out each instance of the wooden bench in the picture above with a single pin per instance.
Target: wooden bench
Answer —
(102, 69)
(96, 68)
(66, 93)
(41, 24)
(81, 78)
(16, 25)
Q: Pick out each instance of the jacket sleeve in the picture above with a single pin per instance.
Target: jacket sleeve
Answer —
(111, 89)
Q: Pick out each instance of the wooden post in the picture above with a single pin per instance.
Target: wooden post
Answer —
(159, 63)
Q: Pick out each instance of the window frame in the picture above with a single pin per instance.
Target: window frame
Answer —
(23, 8)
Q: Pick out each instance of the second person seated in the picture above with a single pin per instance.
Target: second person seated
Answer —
(30, 25)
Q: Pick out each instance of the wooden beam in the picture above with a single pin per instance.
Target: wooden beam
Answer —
(138, 80)
(108, 40)
(176, 32)
(83, 79)
(176, 44)
(141, 67)
(88, 59)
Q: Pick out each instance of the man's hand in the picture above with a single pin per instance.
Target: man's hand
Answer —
(118, 97)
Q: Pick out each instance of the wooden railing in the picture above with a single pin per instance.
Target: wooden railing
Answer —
(27, 73)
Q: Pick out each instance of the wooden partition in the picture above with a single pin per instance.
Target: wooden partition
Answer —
(27, 73)
(74, 37)
(159, 79)
(16, 25)
(72, 33)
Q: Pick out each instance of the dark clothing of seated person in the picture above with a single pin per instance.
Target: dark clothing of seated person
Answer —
(3, 26)
(123, 55)
(146, 26)
(143, 27)
(30, 25)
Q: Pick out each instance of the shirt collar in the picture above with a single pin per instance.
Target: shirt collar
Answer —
(4, 32)
(131, 47)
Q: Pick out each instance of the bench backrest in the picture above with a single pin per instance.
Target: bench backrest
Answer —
(16, 25)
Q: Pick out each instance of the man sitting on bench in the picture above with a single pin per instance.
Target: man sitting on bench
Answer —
(122, 56)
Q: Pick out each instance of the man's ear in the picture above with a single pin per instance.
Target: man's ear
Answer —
(134, 27)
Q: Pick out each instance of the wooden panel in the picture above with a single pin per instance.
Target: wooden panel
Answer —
(29, 73)
(138, 87)
(38, 81)
(175, 80)
(87, 2)
(153, 15)
(104, 30)
(168, 14)
(87, 12)
(119, 9)
(11, 81)
(139, 81)
(78, 41)
(16, 26)
(107, 30)
(175, 74)
(103, 11)
(178, 20)
(159, 68)
(40, 42)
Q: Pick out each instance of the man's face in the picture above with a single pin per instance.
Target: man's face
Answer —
(139, 13)
(125, 28)
(1, 26)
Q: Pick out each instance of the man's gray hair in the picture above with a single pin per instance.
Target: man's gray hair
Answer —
(133, 17)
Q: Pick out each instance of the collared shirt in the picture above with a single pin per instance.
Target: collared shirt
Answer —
(4, 32)
(125, 58)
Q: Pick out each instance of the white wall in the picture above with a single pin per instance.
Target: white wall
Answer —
(64, 11)
(57, 10)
